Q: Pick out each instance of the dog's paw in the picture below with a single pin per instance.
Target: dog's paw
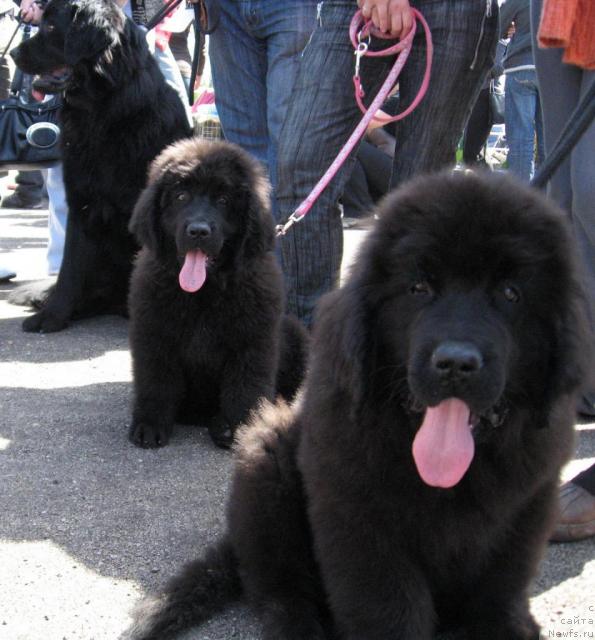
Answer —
(149, 436)
(221, 433)
(33, 294)
(44, 322)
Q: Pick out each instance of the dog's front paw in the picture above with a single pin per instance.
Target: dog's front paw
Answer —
(44, 321)
(221, 433)
(149, 436)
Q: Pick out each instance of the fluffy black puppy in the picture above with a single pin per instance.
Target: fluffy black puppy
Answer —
(118, 114)
(207, 333)
(414, 486)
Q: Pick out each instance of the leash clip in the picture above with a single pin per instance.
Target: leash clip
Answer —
(360, 52)
(282, 229)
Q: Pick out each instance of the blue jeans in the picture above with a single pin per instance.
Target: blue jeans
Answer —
(323, 113)
(254, 53)
(524, 125)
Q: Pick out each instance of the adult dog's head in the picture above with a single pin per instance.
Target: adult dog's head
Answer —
(464, 307)
(79, 35)
(205, 210)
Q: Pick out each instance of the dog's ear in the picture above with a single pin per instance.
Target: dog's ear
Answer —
(572, 351)
(145, 222)
(95, 28)
(341, 339)
(259, 236)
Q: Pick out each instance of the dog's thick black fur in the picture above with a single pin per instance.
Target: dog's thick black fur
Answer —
(207, 350)
(118, 114)
(343, 523)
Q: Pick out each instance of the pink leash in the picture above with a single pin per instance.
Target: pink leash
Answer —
(358, 34)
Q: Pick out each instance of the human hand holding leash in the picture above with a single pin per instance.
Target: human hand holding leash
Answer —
(394, 17)
(31, 11)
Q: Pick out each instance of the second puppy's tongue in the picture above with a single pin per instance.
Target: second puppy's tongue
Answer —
(194, 271)
(443, 447)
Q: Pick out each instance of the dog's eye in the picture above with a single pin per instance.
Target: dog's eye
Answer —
(511, 294)
(421, 288)
(222, 201)
(182, 196)
(49, 27)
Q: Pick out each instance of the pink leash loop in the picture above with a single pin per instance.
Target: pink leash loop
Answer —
(402, 49)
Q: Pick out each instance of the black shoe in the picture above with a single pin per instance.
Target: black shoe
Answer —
(16, 201)
(221, 434)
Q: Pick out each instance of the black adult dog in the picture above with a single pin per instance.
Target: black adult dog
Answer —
(207, 333)
(414, 485)
(118, 114)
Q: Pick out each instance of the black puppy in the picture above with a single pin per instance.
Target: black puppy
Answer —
(414, 486)
(118, 114)
(207, 333)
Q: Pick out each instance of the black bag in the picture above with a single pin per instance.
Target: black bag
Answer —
(29, 132)
(497, 99)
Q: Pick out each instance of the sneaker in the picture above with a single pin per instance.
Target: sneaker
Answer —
(16, 201)
(6, 274)
(576, 520)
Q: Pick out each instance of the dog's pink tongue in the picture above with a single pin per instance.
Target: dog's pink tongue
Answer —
(194, 271)
(443, 447)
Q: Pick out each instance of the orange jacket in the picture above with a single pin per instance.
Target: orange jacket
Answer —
(570, 24)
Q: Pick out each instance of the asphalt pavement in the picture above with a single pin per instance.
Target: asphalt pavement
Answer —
(89, 523)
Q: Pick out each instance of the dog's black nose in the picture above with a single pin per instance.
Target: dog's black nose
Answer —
(198, 230)
(456, 359)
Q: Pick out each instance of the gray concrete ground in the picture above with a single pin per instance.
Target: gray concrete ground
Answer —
(90, 523)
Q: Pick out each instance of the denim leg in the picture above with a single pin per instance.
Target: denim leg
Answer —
(323, 114)
(289, 26)
(521, 104)
(320, 118)
(58, 214)
(539, 133)
(254, 55)
(465, 34)
(238, 65)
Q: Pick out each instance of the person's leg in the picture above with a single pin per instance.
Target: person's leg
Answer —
(521, 100)
(572, 185)
(171, 72)
(321, 115)
(465, 39)
(29, 192)
(8, 25)
(287, 26)
(559, 87)
(478, 128)
(539, 134)
(356, 199)
(378, 168)
(58, 213)
(582, 174)
(239, 67)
